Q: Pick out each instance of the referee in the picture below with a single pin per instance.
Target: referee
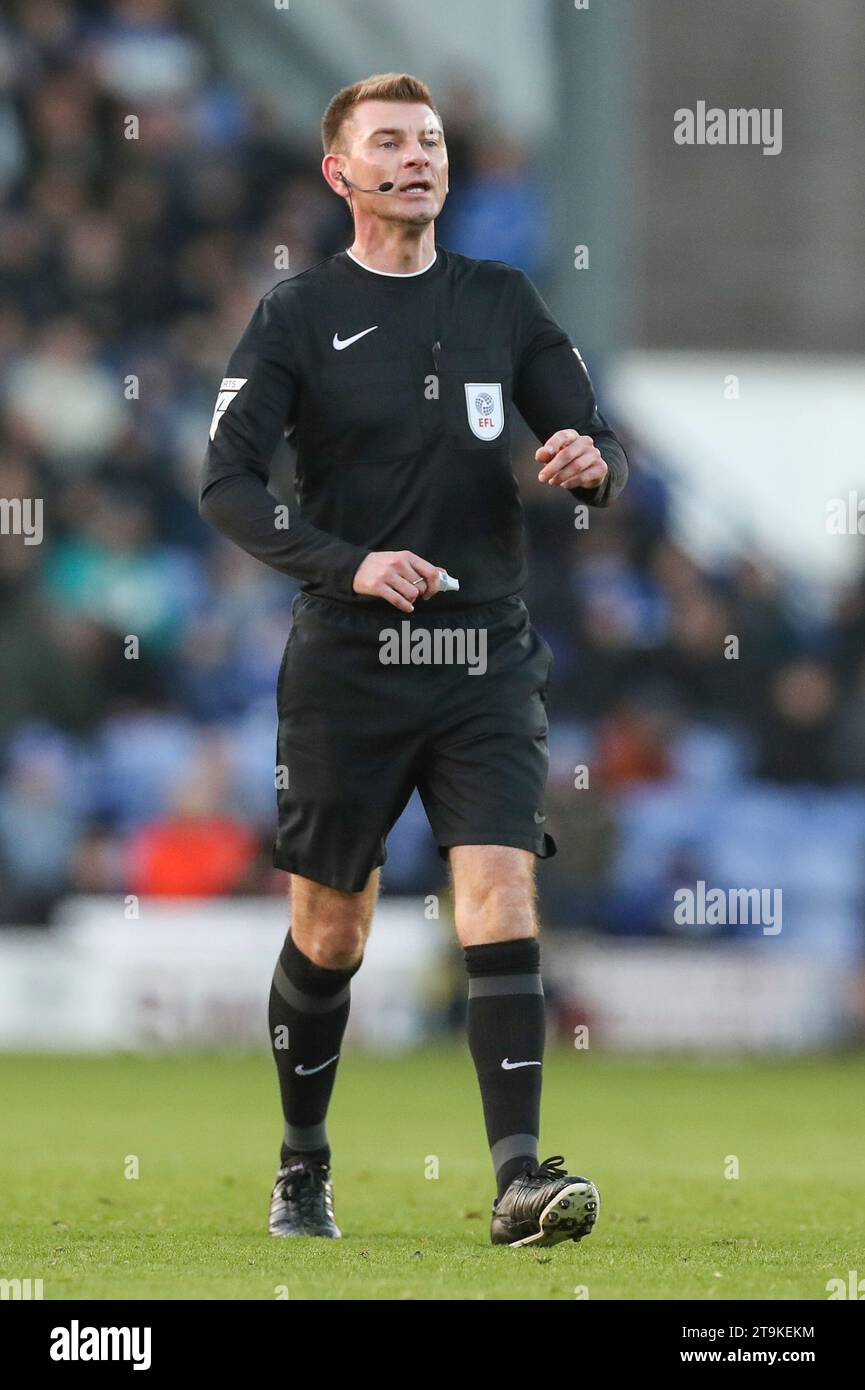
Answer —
(396, 368)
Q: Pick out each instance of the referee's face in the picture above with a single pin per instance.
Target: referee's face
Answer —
(401, 142)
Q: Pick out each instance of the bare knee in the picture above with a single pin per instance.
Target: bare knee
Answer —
(494, 894)
(328, 925)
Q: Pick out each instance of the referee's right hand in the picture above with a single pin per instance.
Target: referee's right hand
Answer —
(393, 574)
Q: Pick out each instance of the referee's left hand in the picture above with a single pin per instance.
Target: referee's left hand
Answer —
(571, 460)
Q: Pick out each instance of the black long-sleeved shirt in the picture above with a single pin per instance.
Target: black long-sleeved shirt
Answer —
(398, 392)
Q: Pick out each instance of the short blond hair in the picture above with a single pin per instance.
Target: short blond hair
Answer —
(382, 86)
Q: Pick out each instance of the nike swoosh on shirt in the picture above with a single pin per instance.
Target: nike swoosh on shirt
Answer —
(309, 1071)
(511, 1066)
(340, 343)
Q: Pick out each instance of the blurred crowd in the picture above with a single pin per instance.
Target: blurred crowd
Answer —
(139, 651)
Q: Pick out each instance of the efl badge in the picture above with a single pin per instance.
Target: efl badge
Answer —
(227, 392)
(484, 405)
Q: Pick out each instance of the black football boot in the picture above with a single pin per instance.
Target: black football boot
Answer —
(544, 1205)
(301, 1203)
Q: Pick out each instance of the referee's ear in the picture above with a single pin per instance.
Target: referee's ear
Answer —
(334, 176)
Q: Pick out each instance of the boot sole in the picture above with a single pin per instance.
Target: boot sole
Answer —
(310, 1235)
(570, 1215)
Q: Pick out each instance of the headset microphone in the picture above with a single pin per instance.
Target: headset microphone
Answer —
(382, 188)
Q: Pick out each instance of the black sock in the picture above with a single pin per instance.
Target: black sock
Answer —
(506, 1026)
(307, 1014)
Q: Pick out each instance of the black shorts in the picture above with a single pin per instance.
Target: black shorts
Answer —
(357, 735)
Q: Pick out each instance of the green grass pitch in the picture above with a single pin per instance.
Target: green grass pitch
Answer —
(655, 1136)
